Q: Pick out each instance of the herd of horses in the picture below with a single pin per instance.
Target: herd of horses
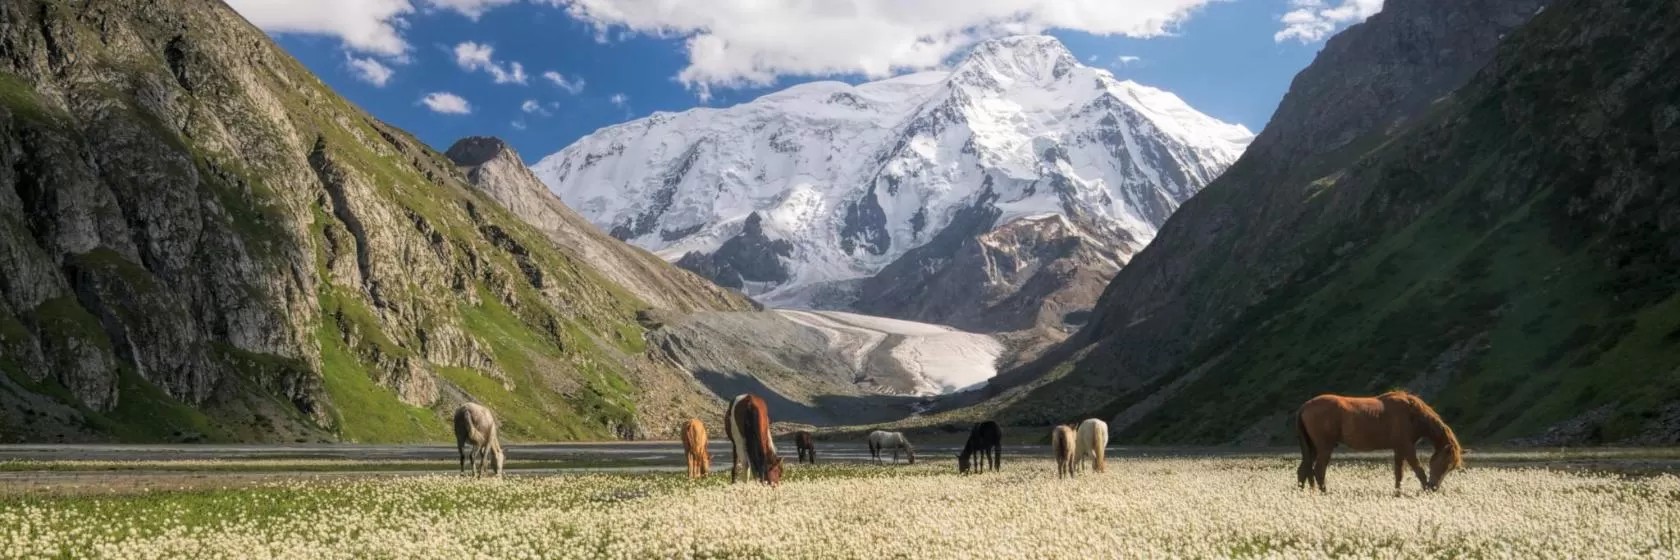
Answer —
(1394, 421)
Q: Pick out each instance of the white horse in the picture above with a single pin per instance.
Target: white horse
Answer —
(1093, 438)
(475, 425)
(880, 440)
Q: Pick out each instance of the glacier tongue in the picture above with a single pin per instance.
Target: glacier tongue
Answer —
(799, 195)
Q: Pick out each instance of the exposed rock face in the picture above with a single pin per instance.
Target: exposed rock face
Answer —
(817, 195)
(749, 257)
(491, 165)
(203, 241)
(1030, 273)
(1379, 223)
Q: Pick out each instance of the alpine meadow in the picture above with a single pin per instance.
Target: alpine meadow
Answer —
(849, 279)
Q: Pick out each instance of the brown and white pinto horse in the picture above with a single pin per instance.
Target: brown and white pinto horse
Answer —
(1394, 420)
(807, 447)
(694, 447)
(748, 425)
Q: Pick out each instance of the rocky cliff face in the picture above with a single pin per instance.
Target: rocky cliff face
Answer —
(202, 241)
(1508, 250)
(821, 194)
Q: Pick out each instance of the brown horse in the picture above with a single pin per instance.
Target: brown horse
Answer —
(806, 447)
(1062, 444)
(748, 425)
(1394, 420)
(694, 446)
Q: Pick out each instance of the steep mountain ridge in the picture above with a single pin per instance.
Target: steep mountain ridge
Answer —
(204, 242)
(1507, 250)
(806, 196)
(492, 166)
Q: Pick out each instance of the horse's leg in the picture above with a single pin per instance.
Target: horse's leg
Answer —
(1320, 465)
(461, 447)
(1412, 459)
(1399, 473)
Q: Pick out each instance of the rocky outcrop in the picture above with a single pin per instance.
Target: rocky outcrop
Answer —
(1036, 273)
(1438, 175)
(749, 257)
(204, 242)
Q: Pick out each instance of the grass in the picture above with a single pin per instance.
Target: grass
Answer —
(364, 411)
(1154, 507)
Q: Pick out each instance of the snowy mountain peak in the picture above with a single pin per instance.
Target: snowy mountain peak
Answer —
(799, 195)
(1033, 58)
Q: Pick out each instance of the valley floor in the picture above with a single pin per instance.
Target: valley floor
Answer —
(1150, 504)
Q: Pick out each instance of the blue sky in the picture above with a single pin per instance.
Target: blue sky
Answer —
(623, 59)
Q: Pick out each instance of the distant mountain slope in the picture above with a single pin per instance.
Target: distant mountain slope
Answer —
(491, 165)
(204, 242)
(967, 197)
(1509, 251)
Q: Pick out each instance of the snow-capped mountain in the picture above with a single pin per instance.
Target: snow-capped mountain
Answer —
(800, 196)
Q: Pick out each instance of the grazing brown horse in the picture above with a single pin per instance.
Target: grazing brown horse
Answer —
(1062, 444)
(748, 425)
(1394, 420)
(986, 439)
(806, 447)
(694, 447)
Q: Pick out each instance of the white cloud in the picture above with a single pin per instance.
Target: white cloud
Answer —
(619, 100)
(1127, 60)
(371, 26)
(533, 107)
(472, 57)
(571, 85)
(517, 125)
(470, 8)
(733, 43)
(369, 70)
(1313, 20)
(446, 103)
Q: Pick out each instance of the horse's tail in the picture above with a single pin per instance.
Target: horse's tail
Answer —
(1307, 450)
(755, 430)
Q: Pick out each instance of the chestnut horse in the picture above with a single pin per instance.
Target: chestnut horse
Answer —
(985, 439)
(694, 447)
(1062, 446)
(1394, 420)
(807, 448)
(747, 424)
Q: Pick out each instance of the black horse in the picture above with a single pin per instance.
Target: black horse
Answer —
(807, 448)
(985, 439)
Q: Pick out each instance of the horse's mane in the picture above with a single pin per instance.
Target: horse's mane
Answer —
(1443, 437)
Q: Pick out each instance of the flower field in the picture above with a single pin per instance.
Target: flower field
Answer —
(1196, 507)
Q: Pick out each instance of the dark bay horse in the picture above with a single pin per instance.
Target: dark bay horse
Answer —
(1394, 420)
(806, 446)
(985, 439)
(747, 424)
